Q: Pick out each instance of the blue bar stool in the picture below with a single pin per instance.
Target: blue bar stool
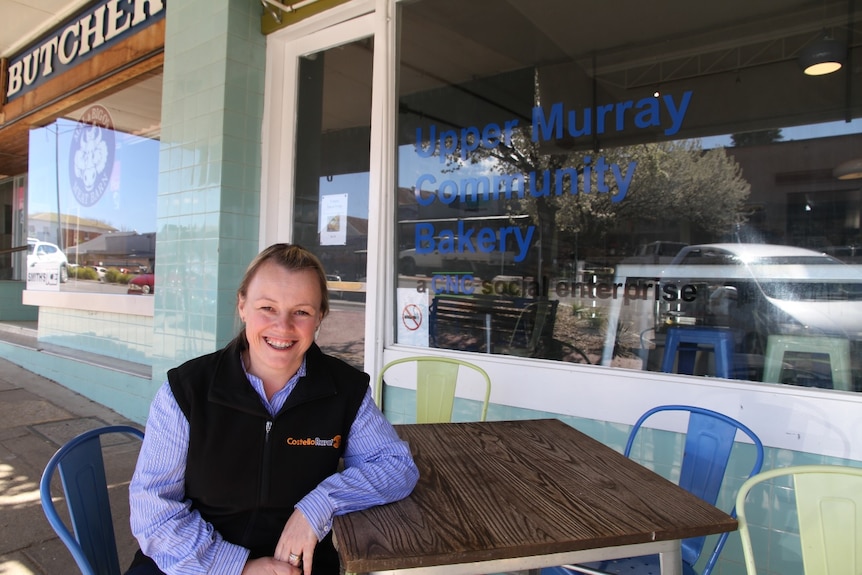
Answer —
(838, 350)
(687, 341)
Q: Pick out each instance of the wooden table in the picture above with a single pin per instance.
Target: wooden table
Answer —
(503, 496)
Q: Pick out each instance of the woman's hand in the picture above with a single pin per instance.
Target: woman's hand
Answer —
(269, 566)
(297, 542)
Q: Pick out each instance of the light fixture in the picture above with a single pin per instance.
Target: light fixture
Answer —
(849, 170)
(823, 56)
(271, 5)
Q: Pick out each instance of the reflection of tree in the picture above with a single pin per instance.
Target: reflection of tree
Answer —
(674, 183)
(758, 138)
(680, 182)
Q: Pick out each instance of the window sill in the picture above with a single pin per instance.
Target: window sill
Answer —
(111, 303)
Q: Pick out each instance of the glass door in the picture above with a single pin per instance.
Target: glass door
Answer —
(331, 181)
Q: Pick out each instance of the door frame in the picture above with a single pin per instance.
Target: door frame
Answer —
(338, 26)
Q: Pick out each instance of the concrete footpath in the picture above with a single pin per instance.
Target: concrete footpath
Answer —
(37, 416)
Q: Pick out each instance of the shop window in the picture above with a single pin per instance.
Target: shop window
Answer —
(92, 196)
(571, 194)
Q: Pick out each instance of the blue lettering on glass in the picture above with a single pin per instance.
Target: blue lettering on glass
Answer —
(449, 142)
(457, 284)
(558, 122)
(539, 184)
(554, 123)
(461, 241)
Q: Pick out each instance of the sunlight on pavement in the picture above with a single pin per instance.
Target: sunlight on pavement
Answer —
(16, 489)
(14, 568)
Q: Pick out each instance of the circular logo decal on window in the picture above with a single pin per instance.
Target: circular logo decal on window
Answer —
(91, 157)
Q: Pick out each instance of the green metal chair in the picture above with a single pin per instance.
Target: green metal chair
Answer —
(829, 510)
(436, 380)
(835, 348)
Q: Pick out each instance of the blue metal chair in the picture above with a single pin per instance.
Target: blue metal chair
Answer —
(709, 441)
(82, 472)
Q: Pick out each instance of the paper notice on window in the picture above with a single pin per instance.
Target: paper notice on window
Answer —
(413, 317)
(333, 216)
(43, 276)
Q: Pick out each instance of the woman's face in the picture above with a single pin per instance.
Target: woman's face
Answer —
(281, 312)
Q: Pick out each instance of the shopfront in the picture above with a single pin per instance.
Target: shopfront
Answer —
(555, 192)
(559, 194)
(79, 141)
(552, 196)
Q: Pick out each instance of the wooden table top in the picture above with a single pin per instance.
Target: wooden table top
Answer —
(505, 489)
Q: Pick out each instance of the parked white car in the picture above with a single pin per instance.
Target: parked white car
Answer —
(45, 252)
(781, 288)
(430, 259)
(100, 272)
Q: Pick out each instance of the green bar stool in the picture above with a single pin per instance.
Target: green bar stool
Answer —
(838, 350)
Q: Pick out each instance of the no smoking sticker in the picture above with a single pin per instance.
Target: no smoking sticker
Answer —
(411, 317)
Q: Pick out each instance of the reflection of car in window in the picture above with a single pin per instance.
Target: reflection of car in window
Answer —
(143, 284)
(765, 289)
(660, 252)
(453, 257)
(334, 293)
(100, 272)
(45, 252)
(848, 254)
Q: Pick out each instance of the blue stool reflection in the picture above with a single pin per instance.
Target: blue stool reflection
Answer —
(687, 341)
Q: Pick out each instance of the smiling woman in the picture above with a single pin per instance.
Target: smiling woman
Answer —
(270, 404)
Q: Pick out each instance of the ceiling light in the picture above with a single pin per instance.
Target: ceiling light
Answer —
(849, 170)
(823, 56)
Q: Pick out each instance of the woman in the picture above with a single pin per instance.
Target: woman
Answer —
(239, 469)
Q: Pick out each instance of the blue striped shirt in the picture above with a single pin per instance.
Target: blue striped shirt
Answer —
(378, 469)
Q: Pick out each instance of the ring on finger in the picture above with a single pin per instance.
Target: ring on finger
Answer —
(293, 559)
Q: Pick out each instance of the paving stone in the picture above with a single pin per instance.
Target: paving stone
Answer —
(19, 563)
(60, 432)
(20, 407)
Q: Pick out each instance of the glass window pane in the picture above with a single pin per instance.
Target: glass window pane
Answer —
(332, 179)
(572, 194)
(93, 186)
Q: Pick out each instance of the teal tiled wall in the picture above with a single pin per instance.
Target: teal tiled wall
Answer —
(773, 519)
(117, 335)
(120, 391)
(11, 308)
(209, 174)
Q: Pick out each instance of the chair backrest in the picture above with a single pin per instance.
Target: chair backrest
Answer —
(532, 323)
(82, 472)
(436, 380)
(709, 440)
(829, 511)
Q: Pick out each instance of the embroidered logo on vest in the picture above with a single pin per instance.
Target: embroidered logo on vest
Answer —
(314, 442)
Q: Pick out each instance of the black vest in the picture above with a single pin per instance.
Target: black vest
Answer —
(245, 470)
